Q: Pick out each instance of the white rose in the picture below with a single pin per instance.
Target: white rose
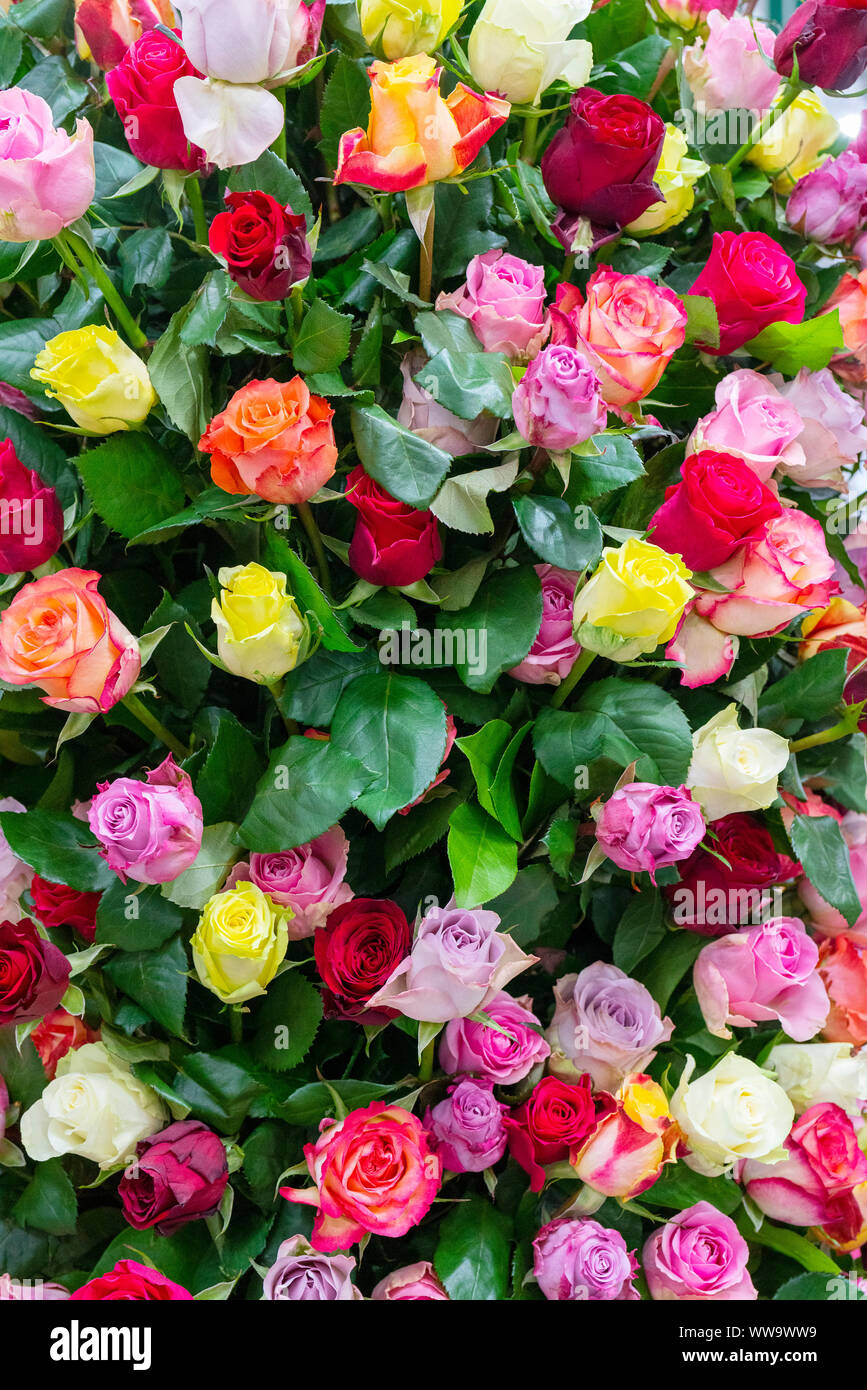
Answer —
(94, 1107)
(518, 47)
(734, 769)
(817, 1073)
(734, 1111)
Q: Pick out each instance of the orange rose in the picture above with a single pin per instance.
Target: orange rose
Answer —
(843, 968)
(273, 439)
(841, 624)
(629, 327)
(60, 634)
(850, 298)
(58, 1033)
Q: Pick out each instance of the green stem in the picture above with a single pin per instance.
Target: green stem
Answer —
(531, 137)
(90, 261)
(425, 265)
(425, 1066)
(790, 93)
(565, 688)
(140, 712)
(236, 1022)
(308, 521)
(837, 731)
(276, 690)
(279, 145)
(193, 189)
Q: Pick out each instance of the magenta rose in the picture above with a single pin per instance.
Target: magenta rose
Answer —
(466, 1129)
(558, 403)
(699, 1254)
(582, 1261)
(505, 1054)
(150, 831)
(142, 89)
(605, 1024)
(829, 204)
(177, 1176)
(643, 827)
(301, 1275)
(754, 420)
(421, 412)
(503, 298)
(766, 972)
(834, 432)
(555, 651)
(416, 1283)
(717, 503)
(753, 283)
(309, 879)
(130, 1281)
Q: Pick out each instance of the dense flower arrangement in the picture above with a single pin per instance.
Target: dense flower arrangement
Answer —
(433, 835)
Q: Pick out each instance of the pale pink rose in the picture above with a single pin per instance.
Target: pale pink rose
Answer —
(422, 414)
(764, 973)
(834, 433)
(555, 651)
(826, 919)
(30, 1290)
(504, 1054)
(309, 879)
(15, 875)
(413, 1283)
(47, 178)
(698, 1254)
(606, 1024)
(829, 204)
(149, 831)
(754, 420)
(733, 66)
(503, 298)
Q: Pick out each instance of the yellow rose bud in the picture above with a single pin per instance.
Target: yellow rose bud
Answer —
(675, 176)
(797, 143)
(518, 48)
(259, 627)
(633, 602)
(240, 942)
(399, 30)
(98, 380)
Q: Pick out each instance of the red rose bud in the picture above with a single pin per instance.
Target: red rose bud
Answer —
(830, 41)
(393, 542)
(264, 245)
(58, 906)
(33, 974)
(176, 1177)
(705, 516)
(31, 518)
(358, 948)
(556, 1118)
(142, 89)
(752, 283)
(715, 897)
(601, 164)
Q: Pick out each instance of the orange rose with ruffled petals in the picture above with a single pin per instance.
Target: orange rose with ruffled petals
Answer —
(60, 634)
(274, 439)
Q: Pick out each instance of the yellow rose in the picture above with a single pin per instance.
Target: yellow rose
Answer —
(259, 627)
(96, 378)
(240, 942)
(675, 176)
(797, 143)
(400, 30)
(519, 47)
(633, 602)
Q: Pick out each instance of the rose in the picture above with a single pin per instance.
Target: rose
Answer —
(30, 1291)
(518, 49)
(240, 943)
(393, 543)
(421, 413)
(99, 381)
(810, 1073)
(150, 831)
(418, 1283)
(844, 973)
(826, 919)
(729, 69)
(734, 769)
(34, 974)
(300, 1275)
(850, 300)
(581, 1260)
(374, 1172)
(263, 244)
(830, 203)
(695, 14)
(141, 86)
(629, 327)
(676, 174)
(105, 29)
(308, 879)
(554, 651)
(767, 972)
(356, 951)
(231, 125)
(698, 1255)
(834, 432)
(458, 963)
(600, 165)
(707, 515)
(754, 420)
(15, 875)
(796, 143)
(466, 1128)
(558, 403)
(643, 827)
(713, 895)
(415, 136)
(503, 298)
(177, 1176)
(556, 1118)
(47, 178)
(504, 1054)
(260, 631)
(634, 1139)
(277, 36)
(274, 439)
(94, 1107)
(632, 602)
(752, 283)
(31, 515)
(840, 625)
(131, 1281)
(56, 1034)
(58, 906)
(734, 1111)
(829, 38)
(398, 29)
(604, 1023)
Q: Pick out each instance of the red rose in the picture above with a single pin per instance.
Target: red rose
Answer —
(830, 41)
(393, 543)
(601, 164)
(128, 1282)
(557, 1117)
(31, 517)
(58, 1033)
(142, 89)
(177, 1176)
(58, 906)
(33, 973)
(264, 245)
(713, 899)
(704, 517)
(358, 948)
(752, 283)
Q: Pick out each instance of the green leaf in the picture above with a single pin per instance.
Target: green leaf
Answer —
(48, 1203)
(789, 1243)
(526, 904)
(57, 83)
(441, 330)
(133, 484)
(818, 1288)
(268, 1151)
(811, 690)
(307, 788)
(157, 980)
(146, 258)
(208, 870)
(472, 1253)
(40, 18)
(268, 174)
(499, 626)
(135, 917)
(662, 971)
(461, 502)
(311, 1103)
(287, 1022)
(468, 383)
(21, 1069)
(617, 26)
(59, 847)
(571, 539)
(702, 324)
(593, 475)
(640, 930)
(679, 1187)
(322, 342)
(423, 826)
(345, 105)
(207, 310)
(408, 467)
(277, 555)
(180, 376)
(226, 780)
(217, 1087)
(621, 720)
(492, 753)
(464, 218)
(791, 346)
(483, 856)
(312, 690)
(824, 855)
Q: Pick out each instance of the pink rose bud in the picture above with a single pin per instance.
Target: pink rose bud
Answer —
(829, 204)
(766, 972)
(421, 413)
(582, 1261)
(643, 827)
(150, 831)
(504, 1054)
(414, 1283)
(466, 1129)
(558, 404)
(309, 879)
(555, 651)
(30, 1290)
(699, 1254)
(47, 178)
(503, 298)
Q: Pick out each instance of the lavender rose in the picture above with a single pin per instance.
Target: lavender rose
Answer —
(830, 203)
(644, 827)
(150, 831)
(699, 1254)
(504, 299)
(300, 1274)
(421, 413)
(558, 404)
(582, 1261)
(505, 1054)
(606, 1024)
(308, 879)
(417, 1282)
(555, 651)
(466, 1129)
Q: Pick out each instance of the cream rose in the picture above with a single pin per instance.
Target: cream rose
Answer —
(518, 48)
(734, 769)
(734, 1111)
(821, 1073)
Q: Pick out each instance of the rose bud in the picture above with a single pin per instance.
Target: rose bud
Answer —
(393, 543)
(150, 831)
(705, 516)
(643, 827)
(177, 1176)
(397, 29)
(466, 1129)
(47, 178)
(767, 972)
(554, 651)
(504, 1054)
(55, 905)
(105, 29)
(503, 298)
(829, 204)
(34, 975)
(263, 245)
(631, 1144)
(260, 631)
(240, 943)
(56, 1034)
(308, 879)
(558, 403)
(275, 440)
(100, 382)
(699, 1254)
(556, 1118)
(414, 1283)
(142, 89)
(582, 1261)
(129, 1280)
(830, 41)
(301, 1275)
(752, 283)
(422, 413)
(31, 517)
(356, 950)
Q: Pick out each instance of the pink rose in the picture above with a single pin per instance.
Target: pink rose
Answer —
(826, 919)
(150, 831)
(558, 403)
(605, 1024)
(308, 879)
(422, 414)
(754, 420)
(47, 178)
(466, 1129)
(30, 1290)
(643, 827)
(416, 1283)
(830, 203)
(504, 1057)
(834, 432)
(555, 651)
(766, 972)
(731, 68)
(15, 875)
(699, 1254)
(582, 1261)
(503, 298)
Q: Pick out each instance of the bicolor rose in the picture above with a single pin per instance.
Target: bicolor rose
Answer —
(414, 1283)
(56, 1034)
(275, 440)
(843, 970)
(631, 1144)
(129, 1280)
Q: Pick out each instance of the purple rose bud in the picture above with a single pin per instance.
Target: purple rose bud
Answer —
(581, 1261)
(830, 203)
(555, 651)
(150, 831)
(559, 404)
(300, 1274)
(466, 1129)
(699, 1254)
(503, 298)
(606, 1024)
(643, 827)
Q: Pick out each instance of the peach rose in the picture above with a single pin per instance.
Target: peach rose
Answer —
(850, 299)
(60, 634)
(273, 439)
(843, 968)
(629, 326)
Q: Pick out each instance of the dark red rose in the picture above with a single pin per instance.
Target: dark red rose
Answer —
(177, 1176)
(393, 543)
(557, 1117)
(706, 515)
(58, 1033)
(714, 899)
(752, 283)
(58, 906)
(130, 1282)
(358, 948)
(31, 517)
(264, 245)
(601, 164)
(33, 974)
(142, 88)
(830, 41)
